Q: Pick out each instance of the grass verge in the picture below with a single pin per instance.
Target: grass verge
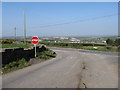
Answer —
(99, 48)
(14, 45)
(45, 54)
(15, 65)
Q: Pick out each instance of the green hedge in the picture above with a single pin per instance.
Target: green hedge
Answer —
(7, 41)
(71, 44)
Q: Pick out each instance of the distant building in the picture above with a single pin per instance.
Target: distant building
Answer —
(49, 40)
(104, 41)
(74, 40)
(62, 38)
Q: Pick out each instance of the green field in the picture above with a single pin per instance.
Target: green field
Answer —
(13, 45)
(96, 39)
(66, 45)
(88, 46)
(100, 48)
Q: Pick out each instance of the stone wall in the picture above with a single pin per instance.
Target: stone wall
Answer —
(14, 54)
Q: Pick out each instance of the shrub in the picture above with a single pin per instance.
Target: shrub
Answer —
(108, 47)
(7, 41)
(46, 54)
(109, 41)
(117, 42)
(15, 65)
(119, 48)
(72, 44)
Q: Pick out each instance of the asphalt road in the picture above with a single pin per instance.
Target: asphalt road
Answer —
(70, 69)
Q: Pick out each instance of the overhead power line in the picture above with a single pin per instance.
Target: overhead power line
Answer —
(76, 21)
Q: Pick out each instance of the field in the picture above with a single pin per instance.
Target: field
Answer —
(96, 39)
(87, 43)
(101, 48)
(13, 45)
(89, 46)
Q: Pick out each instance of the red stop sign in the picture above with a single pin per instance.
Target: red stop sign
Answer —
(35, 40)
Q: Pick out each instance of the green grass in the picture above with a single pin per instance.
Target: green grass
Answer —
(100, 48)
(13, 45)
(46, 54)
(15, 65)
(96, 39)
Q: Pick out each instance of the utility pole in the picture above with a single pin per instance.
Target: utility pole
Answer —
(15, 33)
(24, 27)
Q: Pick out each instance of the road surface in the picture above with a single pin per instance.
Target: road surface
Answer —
(70, 69)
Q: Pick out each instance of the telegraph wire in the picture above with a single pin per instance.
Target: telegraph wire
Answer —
(76, 21)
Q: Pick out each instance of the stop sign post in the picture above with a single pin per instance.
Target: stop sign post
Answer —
(35, 40)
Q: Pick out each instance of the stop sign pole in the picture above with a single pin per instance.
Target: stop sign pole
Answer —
(35, 40)
(35, 49)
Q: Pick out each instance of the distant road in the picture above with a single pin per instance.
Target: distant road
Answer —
(71, 68)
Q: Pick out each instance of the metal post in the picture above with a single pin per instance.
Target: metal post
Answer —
(15, 33)
(35, 49)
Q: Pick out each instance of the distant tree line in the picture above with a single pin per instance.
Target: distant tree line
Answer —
(6, 41)
(76, 45)
(113, 42)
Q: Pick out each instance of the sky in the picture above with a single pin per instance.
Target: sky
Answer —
(0, 20)
(60, 18)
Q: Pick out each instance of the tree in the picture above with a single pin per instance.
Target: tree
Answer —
(117, 42)
(109, 41)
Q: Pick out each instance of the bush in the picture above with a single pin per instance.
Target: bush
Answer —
(78, 45)
(15, 65)
(7, 41)
(46, 54)
(119, 48)
(117, 42)
(109, 41)
(108, 47)
(43, 48)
